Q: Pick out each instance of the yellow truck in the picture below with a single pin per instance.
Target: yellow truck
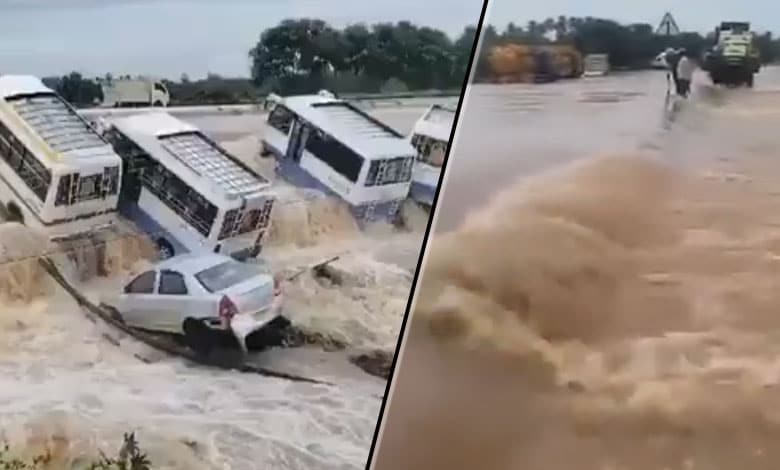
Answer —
(520, 63)
(734, 59)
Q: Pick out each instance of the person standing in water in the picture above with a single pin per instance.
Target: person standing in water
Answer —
(672, 57)
(685, 68)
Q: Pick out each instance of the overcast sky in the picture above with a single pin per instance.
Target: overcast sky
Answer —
(169, 37)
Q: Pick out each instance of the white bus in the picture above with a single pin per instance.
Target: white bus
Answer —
(57, 173)
(430, 136)
(186, 191)
(327, 144)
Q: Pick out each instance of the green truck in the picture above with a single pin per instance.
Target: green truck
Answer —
(734, 59)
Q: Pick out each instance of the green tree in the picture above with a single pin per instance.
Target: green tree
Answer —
(76, 89)
(297, 54)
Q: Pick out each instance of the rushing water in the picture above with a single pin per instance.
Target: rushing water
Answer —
(73, 386)
(620, 312)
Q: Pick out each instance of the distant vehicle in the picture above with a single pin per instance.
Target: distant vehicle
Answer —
(57, 174)
(135, 92)
(596, 65)
(430, 136)
(513, 63)
(659, 62)
(330, 145)
(734, 59)
(201, 297)
(187, 191)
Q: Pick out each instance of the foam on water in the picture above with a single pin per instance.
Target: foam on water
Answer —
(65, 384)
(620, 314)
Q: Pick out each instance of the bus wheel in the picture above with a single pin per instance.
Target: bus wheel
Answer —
(14, 213)
(164, 248)
(264, 152)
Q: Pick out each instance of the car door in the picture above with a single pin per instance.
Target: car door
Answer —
(178, 300)
(136, 302)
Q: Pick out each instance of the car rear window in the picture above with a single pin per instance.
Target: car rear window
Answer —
(225, 275)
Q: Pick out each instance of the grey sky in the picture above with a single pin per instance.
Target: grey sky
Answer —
(169, 37)
(691, 15)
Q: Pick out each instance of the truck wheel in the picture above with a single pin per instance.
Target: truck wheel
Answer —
(749, 80)
(158, 104)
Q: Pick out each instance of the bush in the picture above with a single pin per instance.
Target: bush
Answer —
(129, 457)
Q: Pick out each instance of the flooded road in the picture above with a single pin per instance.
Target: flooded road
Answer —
(617, 308)
(514, 131)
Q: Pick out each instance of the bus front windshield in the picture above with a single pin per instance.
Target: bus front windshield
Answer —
(429, 150)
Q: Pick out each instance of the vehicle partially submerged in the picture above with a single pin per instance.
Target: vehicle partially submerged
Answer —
(430, 136)
(201, 298)
(57, 174)
(327, 144)
(186, 190)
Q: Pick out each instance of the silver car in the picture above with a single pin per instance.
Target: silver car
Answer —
(201, 297)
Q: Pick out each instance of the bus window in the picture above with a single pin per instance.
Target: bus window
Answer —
(112, 176)
(281, 119)
(397, 170)
(187, 203)
(252, 220)
(36, 176)
(63, 191)
(335, 154)
(89, 187)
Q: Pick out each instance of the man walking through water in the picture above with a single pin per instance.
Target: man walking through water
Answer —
(672, 57)
(685, 68)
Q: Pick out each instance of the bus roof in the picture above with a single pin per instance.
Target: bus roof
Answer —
(51, 125)
(354, 128)
(12, 85)
(436, 123)
(195, 157)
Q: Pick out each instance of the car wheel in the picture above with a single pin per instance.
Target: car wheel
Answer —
(198, 336)
(113, 313)
(273, 334)
(164, 248)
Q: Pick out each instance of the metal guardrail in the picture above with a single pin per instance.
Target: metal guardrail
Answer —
(372, 100)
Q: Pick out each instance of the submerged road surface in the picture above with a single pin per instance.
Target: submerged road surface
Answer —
(513, 131)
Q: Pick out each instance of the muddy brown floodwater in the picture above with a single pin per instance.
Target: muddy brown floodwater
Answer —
(72, 387)
(620, 310)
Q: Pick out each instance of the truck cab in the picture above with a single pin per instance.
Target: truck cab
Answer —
(734, 58)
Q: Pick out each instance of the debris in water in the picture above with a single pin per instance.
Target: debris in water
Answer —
(377, 363)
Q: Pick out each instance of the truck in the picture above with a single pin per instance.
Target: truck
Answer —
(134, 92)
(734, 59)
(596, 65)
(518, 63)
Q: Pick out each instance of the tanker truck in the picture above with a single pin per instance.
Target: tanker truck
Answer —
(734, 58)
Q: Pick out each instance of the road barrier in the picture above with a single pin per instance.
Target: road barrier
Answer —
(363, 100)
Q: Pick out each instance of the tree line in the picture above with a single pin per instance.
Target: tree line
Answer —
(307, 55)
(629, 46)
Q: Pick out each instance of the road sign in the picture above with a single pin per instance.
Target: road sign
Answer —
(668, 26)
